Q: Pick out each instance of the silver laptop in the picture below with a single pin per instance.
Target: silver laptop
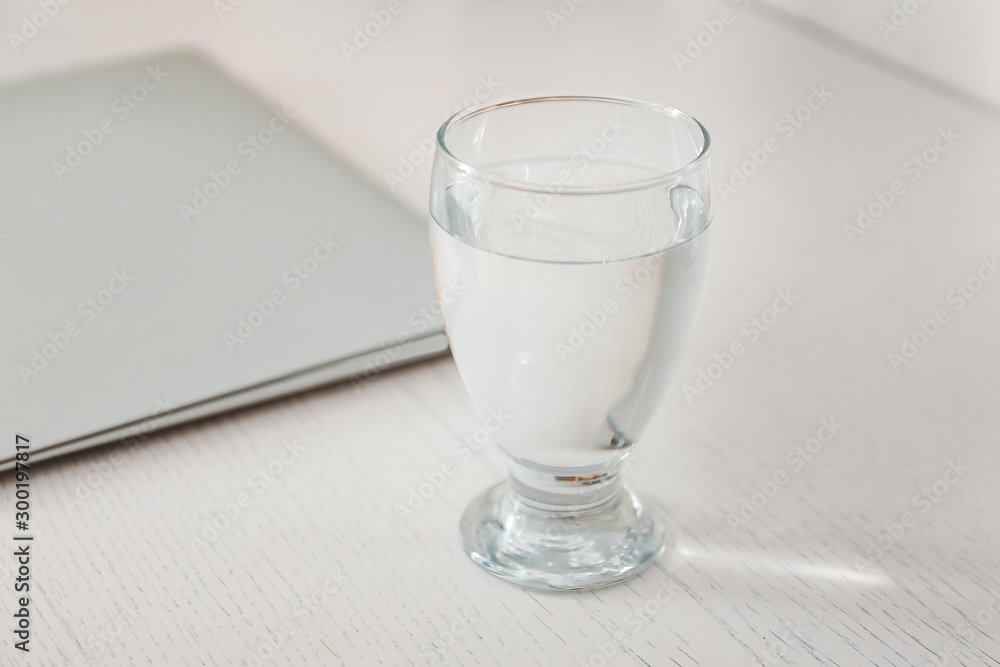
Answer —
(172, 247)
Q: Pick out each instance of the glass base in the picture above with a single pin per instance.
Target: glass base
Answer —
(561, 547)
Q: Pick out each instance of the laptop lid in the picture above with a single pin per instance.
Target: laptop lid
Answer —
(173, 247)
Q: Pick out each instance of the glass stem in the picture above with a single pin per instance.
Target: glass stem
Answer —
(566, 489)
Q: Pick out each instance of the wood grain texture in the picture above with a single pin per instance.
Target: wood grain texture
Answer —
(320, 562)
(312, 563)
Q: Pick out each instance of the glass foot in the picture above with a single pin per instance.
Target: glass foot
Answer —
(561, 548)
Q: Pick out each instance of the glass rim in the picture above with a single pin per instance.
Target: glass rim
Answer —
(528, 186)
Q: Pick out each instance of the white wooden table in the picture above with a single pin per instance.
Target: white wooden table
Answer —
(832, 505)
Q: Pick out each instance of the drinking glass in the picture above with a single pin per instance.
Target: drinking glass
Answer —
(569, 242)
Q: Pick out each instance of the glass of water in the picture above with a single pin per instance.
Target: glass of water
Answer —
(569, 235)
